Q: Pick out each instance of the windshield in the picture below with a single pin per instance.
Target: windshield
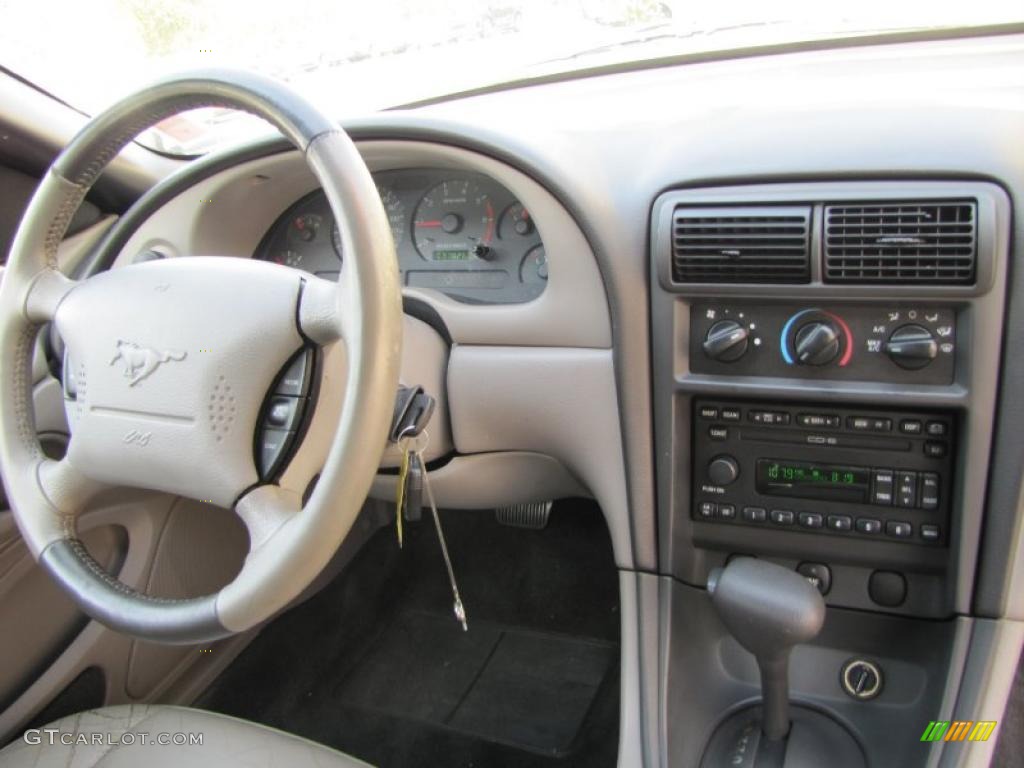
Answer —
(360, 57)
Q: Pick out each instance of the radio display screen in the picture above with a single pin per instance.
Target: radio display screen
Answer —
(814, 481)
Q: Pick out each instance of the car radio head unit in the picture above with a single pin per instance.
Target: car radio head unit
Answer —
(833, 470)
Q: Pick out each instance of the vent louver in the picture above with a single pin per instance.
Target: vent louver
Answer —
(750, 244)
(932, 242)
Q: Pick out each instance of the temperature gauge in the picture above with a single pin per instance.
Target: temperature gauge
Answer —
(534, 269)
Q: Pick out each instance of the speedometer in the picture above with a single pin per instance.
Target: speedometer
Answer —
(454, 222)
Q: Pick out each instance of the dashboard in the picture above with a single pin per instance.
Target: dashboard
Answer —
(462, 234)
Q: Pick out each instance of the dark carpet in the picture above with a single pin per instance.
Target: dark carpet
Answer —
(377, 666)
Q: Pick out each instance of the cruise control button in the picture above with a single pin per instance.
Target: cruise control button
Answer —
(284, 412)
(899, 529)
(929, 490)
(906, 489)
(841, 523)
(755, 514)
(295, 381)
(868, 525)
(272, 444)
(811, 520)
(782, 517)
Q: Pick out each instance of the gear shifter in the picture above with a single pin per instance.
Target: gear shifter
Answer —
(769, 610)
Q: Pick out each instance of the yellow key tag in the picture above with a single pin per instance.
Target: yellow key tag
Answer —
(403, 478)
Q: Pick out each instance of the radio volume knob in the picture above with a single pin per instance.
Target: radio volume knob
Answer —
(817, 343)
(723, 470)
(726, 341)
(912, 347)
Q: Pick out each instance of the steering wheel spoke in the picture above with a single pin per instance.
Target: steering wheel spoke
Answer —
(66, 487)
(323, 315)
(264, 510)
(45, 294)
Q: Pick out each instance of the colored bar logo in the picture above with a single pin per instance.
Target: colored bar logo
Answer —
(958, 730)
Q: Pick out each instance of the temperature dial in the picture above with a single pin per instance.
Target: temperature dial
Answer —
(726, 341)
(817, 343)
(816, 337)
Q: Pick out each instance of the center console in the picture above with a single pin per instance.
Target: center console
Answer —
(825, 359)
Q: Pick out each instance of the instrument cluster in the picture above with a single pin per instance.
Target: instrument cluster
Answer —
(460, 233)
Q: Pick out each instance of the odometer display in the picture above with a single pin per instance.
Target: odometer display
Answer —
(814, 481)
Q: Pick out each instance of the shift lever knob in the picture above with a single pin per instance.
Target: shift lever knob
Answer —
(768, 609)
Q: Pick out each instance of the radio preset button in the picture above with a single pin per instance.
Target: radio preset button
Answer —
(782, 517)
(869, 525)
(841, 523)
(755, 514)
(899, 529)
(929, 490)
(811, 520)
(881, 492)
(906, 489)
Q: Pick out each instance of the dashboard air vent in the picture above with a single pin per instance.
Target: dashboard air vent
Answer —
(932, 242)
(750, 244)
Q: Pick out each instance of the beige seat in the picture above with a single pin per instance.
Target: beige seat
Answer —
(112, 737)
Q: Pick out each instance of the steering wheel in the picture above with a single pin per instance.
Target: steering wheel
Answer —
(173, 360)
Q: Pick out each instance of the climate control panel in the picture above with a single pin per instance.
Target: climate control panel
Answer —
(899, 344)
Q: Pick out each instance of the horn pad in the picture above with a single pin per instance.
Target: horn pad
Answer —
(167, 365)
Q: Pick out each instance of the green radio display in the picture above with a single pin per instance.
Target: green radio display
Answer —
(798, 478)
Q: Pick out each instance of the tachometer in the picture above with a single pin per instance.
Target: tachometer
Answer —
(454, 221)
(395, 210)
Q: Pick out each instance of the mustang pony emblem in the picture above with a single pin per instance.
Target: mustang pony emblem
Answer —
(139, 362)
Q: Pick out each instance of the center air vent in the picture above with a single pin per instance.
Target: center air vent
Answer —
(930, 242)
(750, 244)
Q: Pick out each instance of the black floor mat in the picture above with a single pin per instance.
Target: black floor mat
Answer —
(377, 666)
(524, 689)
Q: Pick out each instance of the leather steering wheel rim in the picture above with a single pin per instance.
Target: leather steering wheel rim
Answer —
(169, 302)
